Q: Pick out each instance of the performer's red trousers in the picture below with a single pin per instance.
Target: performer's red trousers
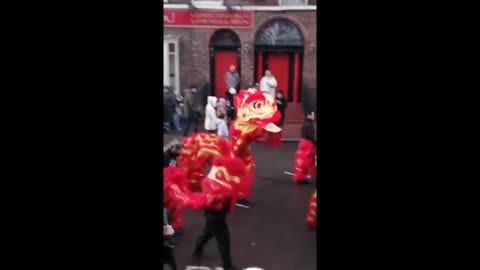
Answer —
(312, 212)
(304, 160)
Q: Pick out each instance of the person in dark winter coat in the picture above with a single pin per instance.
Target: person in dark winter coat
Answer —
(229, 103)
(282, 106)
(171, 153)
(169, 104)
(216, 227)
(308, 130)
(192, 110)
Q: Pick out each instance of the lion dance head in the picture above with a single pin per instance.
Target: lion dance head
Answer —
(256, 114)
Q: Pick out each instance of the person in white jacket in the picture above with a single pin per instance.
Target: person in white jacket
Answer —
(211, 115)
(268, 84)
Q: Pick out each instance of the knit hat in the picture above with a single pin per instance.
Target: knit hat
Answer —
(221, 102)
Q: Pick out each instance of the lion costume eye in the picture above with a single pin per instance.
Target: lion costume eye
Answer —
(262, 107)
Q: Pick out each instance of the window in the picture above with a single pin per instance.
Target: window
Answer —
(293, 2)
(171, 69)
(172, 66)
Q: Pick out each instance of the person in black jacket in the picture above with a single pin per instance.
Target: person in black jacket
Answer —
(308, 130)
(169, 104)
(171, 153)
(305, 155)
(216, 226)
(282, 106)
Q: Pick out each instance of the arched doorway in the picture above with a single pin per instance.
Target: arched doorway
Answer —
(279, 48)
(225, 51)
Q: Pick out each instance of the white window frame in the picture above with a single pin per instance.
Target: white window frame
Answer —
(199, 3)
(166, 61)
(166, 65)
(305, 3)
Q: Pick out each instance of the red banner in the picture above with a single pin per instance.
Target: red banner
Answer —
(208, 19)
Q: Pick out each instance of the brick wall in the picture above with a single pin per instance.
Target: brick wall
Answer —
(194, 49)
(306, 21)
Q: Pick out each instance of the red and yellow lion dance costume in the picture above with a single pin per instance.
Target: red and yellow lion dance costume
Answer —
(219, 187)
(312, 209)
(304, 160)
(256, 115)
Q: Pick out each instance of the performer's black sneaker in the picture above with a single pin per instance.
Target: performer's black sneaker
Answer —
(303, 182)
(243, 203)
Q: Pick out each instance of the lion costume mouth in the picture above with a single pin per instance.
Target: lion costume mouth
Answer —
(271, 127)
(259, 108)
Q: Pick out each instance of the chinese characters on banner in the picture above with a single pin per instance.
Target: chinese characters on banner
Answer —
(208, 19)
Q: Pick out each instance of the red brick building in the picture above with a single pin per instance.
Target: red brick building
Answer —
(202, 38)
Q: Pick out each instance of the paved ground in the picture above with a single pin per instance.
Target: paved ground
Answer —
(272, 234)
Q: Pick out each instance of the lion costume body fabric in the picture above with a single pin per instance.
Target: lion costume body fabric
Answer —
(312, 212)
(219, 188)
(312, 208)
(231, 162)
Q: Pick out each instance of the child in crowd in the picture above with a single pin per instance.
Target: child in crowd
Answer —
(222, 129)
(221, 107)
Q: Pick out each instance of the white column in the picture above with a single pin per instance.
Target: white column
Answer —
(166, 66)
(177, 66)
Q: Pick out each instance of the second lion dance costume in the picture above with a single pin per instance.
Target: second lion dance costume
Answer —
(304, 157)
(312, 212)
(231, 174)
(312, 209)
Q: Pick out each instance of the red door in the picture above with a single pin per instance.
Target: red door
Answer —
(223, 60)
(279, 65)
